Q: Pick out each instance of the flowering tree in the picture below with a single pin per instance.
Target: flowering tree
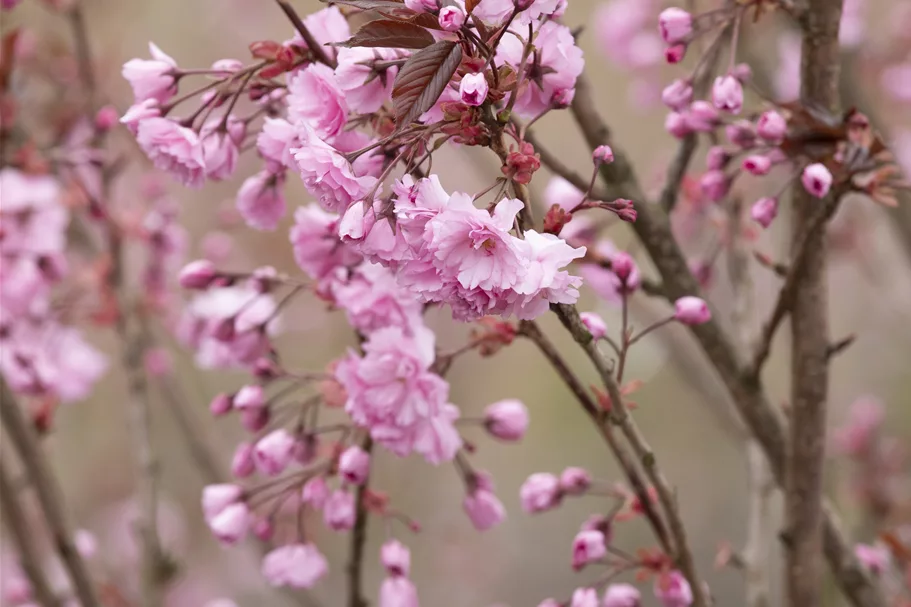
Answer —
(356, 104)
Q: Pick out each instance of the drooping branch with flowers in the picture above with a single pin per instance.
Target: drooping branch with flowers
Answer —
(356, 105)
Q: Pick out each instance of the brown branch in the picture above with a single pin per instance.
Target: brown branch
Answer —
(820, 69)
(312, 45)
(358, 542)
(619, 415)
(556, 166)
(25, 440)
(599, 417)
(24, 539)
(764, 420)
(83, 53)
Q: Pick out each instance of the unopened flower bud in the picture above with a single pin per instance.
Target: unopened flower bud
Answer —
(197, 274)
(691, 311)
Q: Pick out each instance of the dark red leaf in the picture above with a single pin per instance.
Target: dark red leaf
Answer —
(265, 49)
(390, 34)
(375, 5)
(470, 5)
(422, 80)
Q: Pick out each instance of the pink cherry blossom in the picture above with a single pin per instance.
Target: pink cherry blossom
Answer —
(216, 498)
(584, 597)
(677, 95)
(354, 465)
(727, 94)
(673, 590)
(398, 591)
(314, 238)
(506, 419)
(138, 112)
(451, 18)
(275, 143)
(221, 146)
(373, 299)
(326, 25)
(274, 452)
(242, 464)
(603, 154)
(173, 149)
(152, 78)
(717, 158)
(315, 97)
(540, 492)
(622, 595)
(562, 193)
(484, 509)
(544, 282)
(714, 185)
(396, 558)
(594, 323)
(702, 117)
(575, 481)
(249, 397)
(339, 510)
(865, 417)
(295, 565)
(817, 180)
(588, 547)
(231, 524)
(473, 89)
(261, 200)
(757, 164)
(692, 311)
(315, 492)
(366, 88)
(327, 174)
(772, 126)
(675, 25)
(764, 211)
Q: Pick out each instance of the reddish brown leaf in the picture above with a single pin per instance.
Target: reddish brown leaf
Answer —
(470, 5)
(374, 5)
(387, 33)
(422, 80)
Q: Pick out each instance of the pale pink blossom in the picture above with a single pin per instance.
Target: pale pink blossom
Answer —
(339, 510)
(398, 591)
(315, 97)
(473, 89)
(714, 185)
(717, 158)
(295, 565)
(575, 481)
(562, 193)
(327, 174)
(675, 25)
(673, 590)
(506, 419)
(588, 547)
(677, 95)
(621, 595)
(242, 464)
(173, 149)
(366, 88)
(274, 452)
(584, 597)
(764, 211)
(373, 234)
(197, 274)
(396, 558)
(327, 25)
(221, 146)
(484, 509)
(451, 18)
(315, 492)
(216, 498)
(152, 78)
(757, 164)
(231, 524)
(772, 127)
(540, 492)
(603, 154)
(544, 281)
(275, 143)
(373, 299)
(817, 180)
(594, 323)
(138, 112)
(261, 200)
(727, 94)
(354, 465)
(692, 311)
(250, 396)
(317, 248)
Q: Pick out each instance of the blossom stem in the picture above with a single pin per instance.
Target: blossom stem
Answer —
(358, 542)
(26, 442)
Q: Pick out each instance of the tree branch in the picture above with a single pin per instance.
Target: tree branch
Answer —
(764, 420)
(599, 417)
(313, 46)
(24, 539)
(26, 442)
(358, 542)
(820, 68)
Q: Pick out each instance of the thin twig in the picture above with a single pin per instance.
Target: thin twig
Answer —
(191, 430)
(599, 417)
(312, 45)
(358, 542)
(683, 555)
(24, 539)
(26, 442)
(83, 53)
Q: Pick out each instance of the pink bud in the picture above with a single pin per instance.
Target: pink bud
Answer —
(575, 481)
(220, 405)
(691, 311)
(263, 529)
(339, 510)
(540, 492)
(86, 543)
(588, 547)
(242, 464)
(354, 465)
(250, 396)
(473, 89)
(274, 452)
(757, 164)
(197, 274)
(677, 125)
(216, 498)
(594, 323)
(296, 565)
(717, 158)
(106, 118)
(817, 180)
(228, 66)
(742, 72)
(622, 264)
(522, 5)
(714, 185)
(584, 597)
(603, 155)
(874, 558)
(231, 524)
(727, 94)
(254, 420)
(484, 509)
(673, 590)
(675, 25)
(421, 6)
(398, 591)
(764, 211)
(451, 18)
(772, 127)
(315, 492)
(677, 95)
(562, 98)
(506, 419)
(702, 117)
(621, 595)
(396, 558)
(675, 54)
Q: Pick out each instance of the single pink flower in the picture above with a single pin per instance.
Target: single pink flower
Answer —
(817, 180)
(772, 127)
(714, 185)
(315, 492)
(295, 565)
(216, 498)
(594, 323)
(261, 200)
(677, 95)
(473, 89)
(366, 87)
(250, 396)
(339, 510)
(692, 311)
(317, 248)
(622, 595)
(764, 211)
(275, 143)
(702, 117)
(575, 481)
(221, 146)
(484, 509)
(197, 274)
(242, 464)
(152, 78)
(173, 149)
(675, 25)
(398, 591)
(138, 112)
(603, 154)
(540, 492)
(757, 164)
(584, 597)
(717, 158)
(727, 94)
(588, 547)
(354, 465)
(274, 452)
(315, 97)
(396, 558)
(231, 524)
(451, 18)
(506, 419)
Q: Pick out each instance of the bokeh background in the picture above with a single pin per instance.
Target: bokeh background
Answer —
(681, 406)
